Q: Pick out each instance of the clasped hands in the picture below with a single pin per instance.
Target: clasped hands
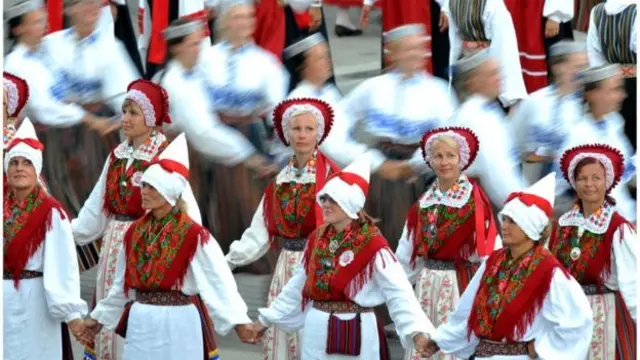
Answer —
(84, 331)
(250, 333)
(425, 346)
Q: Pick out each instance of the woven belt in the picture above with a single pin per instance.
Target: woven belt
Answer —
(340, 307)
(291, 244)
(593, 289)
(26, 274)
(488, 348)
(628, 70)
(163, 298)
(435, 264)
(123, 217)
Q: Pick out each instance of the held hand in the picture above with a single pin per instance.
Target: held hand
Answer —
(93, 327)
(261, 166)
(77, 329)
(425, 345)
(551, 28)
(444, 21)
(364, 16)
(247, 333)
(316, 17)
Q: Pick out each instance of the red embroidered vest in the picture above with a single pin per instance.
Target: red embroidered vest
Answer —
(339, 276)
(122, 193)
(594, 264)
(25, 226)
(448, 233)
(159, 252)
(511, 293)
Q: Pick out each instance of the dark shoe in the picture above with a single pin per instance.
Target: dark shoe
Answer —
(345, 31)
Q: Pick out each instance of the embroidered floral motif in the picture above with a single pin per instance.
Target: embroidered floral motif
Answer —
(437, 223)
(588, 243)
(122, 193)
(500, 286)
(293, 202)
(154, 246)
(597, 223)
(323, 264)
(292, 174)
(456, 196)
(17, 214)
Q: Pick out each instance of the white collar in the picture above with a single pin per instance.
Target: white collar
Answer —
(457, 196)
(290, 173)
(145, 152)
(596, 223)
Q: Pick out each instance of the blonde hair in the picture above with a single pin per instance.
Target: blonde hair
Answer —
(447, 140)
(364, 218)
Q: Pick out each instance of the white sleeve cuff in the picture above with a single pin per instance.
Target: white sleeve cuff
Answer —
(73, 316)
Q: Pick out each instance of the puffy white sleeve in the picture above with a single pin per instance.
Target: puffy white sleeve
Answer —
(523, 119)
(625, 260)
(204, 130)
(404, 309)
(117, 75)
(285, 312)
(558, 10)
(108, 311)
(451, 336)
(253, 244)
(594, 47)
(218, 288)
(193, 210)
(568, 313)
(498, 27)
(61, 275)
(92, 219)
(404, 253)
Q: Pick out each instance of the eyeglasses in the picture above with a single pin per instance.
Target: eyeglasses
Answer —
(326, 198)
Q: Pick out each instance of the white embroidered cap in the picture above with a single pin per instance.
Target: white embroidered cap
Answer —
(349, 188)
(303, 45)
(25, 144)
(532, 208)
(178, 31)
(290, 108)
(599, 73)
(169, 175)
(472, 61)
(566, 47)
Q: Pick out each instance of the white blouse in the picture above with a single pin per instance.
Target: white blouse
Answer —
(499, 29)
(208, 275)
(562, 328)
(388, 286)
(594, 47)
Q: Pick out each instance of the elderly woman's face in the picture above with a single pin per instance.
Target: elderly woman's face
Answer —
(133, 124)
(331, 211)
(512, 234)
(591, 183)
(21, 174)
(445, 161)
(151, 198)
(303, 133)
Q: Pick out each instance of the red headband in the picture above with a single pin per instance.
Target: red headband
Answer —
(532, 200)
(36, 144)
(173, 167)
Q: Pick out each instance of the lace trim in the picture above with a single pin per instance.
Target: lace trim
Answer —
(296, 110)
(457, 196)
(145, 104)
(12, 96)
(290, 173)
(603, 159)
(146, 152)
(596, 223)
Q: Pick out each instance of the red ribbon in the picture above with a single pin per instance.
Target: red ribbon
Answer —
(173, 167)
(353, 179)
(532, 200)
(55, 10)
(31, 142)
(159, 22)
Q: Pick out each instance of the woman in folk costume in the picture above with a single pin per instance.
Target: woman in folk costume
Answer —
(542, 122)
(538, 25)
(171, 277)
(15, 97)
(488, 24)
(389, 114)
(115, 201)
(603, 94)
(244, 83)
(598, 247)
(521, 303)
(41, 280)
(429, 13)
(449, 230)
(612, 39)
(288, 212)
(347, 269)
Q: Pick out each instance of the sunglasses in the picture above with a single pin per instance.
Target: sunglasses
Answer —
(326, 198)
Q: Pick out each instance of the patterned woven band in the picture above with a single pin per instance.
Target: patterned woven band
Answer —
(163, 298)
(487, 348)
(435, 264)
(340, 307)
(594, 289)
(291, 244)
(26, 274)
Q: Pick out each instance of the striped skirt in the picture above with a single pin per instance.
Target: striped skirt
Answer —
(279, 345)
(438, 292)
(614, 331)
